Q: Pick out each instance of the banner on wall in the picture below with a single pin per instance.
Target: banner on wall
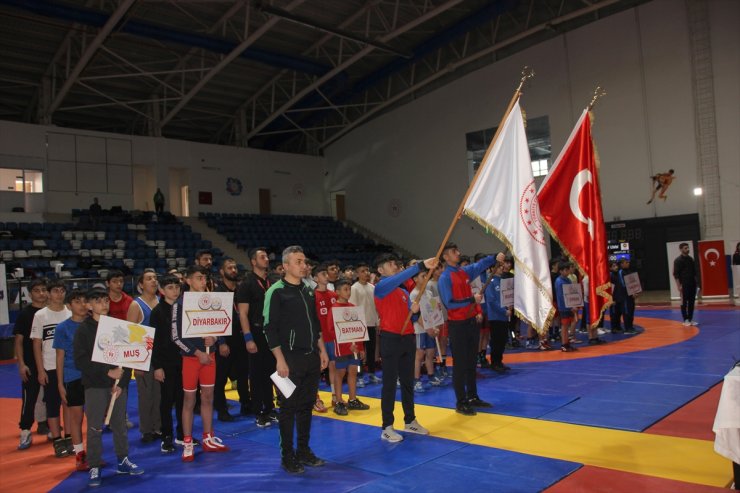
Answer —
(4, 315)
(713, 266)
(673, 252)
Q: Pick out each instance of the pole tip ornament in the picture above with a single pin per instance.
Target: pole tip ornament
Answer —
(527, 73)
(599, 92)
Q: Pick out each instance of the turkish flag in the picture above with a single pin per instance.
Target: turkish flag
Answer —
(570, 207)
(713, 268)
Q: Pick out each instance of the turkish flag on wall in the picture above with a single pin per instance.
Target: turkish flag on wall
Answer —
(713, 268)
(570, 205)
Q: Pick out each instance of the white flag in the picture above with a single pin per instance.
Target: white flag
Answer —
(504, 201)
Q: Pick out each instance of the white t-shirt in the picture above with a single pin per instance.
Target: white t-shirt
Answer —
(364, 296)
(434, 288)
(419, 325)
(44, 325)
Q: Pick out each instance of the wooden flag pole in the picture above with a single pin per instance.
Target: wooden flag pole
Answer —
(112, 403)
(527, 73)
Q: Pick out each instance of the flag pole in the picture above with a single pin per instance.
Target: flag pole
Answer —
(527, 73)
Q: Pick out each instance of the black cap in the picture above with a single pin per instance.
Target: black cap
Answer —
(385, 257)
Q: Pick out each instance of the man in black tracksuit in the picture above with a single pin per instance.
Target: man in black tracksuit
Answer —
(684, 272)
(293, 334)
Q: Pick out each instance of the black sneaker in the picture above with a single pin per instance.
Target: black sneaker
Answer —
(308, 458)
(273, 415)
(465, 409)
(42, 428)
(630, 331)
(498, 368)
(291, 464)
(476, 402)
(225, 416)
(147, 437)
(167, 445)
(263, 420)
(357, 405)
(340, 408)
(60, 447)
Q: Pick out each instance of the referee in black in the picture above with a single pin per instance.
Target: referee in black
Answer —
(294, 336)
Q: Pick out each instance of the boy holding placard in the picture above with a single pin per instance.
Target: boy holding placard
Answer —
(69, 378)
(100, 381)
(198, 367)
(348, 357)
(567, 315)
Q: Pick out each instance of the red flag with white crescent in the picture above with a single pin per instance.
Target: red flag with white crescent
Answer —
(713, 268)
(570, 207)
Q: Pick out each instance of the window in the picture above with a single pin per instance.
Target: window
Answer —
(538, 138)
(19, 180)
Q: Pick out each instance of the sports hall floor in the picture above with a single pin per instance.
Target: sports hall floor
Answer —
(634, 415)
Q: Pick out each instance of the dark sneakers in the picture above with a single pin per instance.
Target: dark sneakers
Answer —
(291, 464)
(476, 402)
(263, 420)
(167, 446)
(308, 458)
(357, 405)
(465, 409)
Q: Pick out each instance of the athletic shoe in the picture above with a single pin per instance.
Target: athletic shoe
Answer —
(308, 458)
(181, 443)
(545, 346)
(290, 464)
(390, 435)
(693, 322)
(617, 331)
(213, 444)
(42, 428)
(70, 447)
(595, 341)
(600, 332)
(357, 405)
(415, 427)
(187, 452)
(273, 415)
(361, 383)
(576, 341)
(81, 461)
(26, 440)
(398, 383)
(498, 369)
(567, 348)
(319, 406)
(60, 447)
(167, 447)
(262, 421)
(128, 467)
(147, 437)
(375, 379)
(435, 381)
(340, 408)
(477, 402)
(465, 409)
(94, 477)
(686, 322)
(418, 387)
(630, 331)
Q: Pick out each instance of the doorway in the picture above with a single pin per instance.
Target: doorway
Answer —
(338, 205)
(265, 204)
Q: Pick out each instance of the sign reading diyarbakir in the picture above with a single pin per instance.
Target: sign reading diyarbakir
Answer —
(207, 314)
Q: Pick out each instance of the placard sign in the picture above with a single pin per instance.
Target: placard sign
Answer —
(573, 295)
(207, 314)
(507, 291)
(632, 283)
(122, 343)
(432, 314)
(349, 324)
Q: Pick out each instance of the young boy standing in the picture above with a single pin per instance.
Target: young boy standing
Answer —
(567, 315)
(99, 381)
(363, 295)
(426, 345)
(198, 367)
(42, 333)
(348, 358)
(69, 377)
(325, 300)
(167, 363)
(26, 362)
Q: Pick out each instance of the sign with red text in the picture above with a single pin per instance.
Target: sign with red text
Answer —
(207, 314)
(349, 324)
(573, 294)
(122, 343)
(632, 284)
(507, 292)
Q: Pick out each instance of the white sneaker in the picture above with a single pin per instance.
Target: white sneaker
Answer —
(601, 332)
(418, 387)
(390, 435)
(693, 322)
(415, 427)
(686, 322)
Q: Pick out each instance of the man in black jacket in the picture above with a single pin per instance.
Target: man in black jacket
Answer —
(101, 381)
(293, 334)
(684, 272)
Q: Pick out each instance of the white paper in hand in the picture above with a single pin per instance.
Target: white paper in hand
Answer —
(285, 385)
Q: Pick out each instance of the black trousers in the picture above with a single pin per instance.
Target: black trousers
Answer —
(171, 394)
(464, 339)
(499, 337)
(235, 364)
(30, 391)
(261, 366)
(688, 297)
(623, 309)
(370, 350)
(296, 411)
(398, 353)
